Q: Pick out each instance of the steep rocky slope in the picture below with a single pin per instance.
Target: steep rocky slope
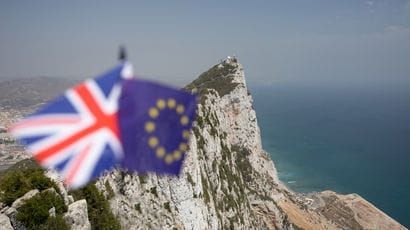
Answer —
(228, 180)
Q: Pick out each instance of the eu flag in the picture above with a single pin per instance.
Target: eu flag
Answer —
(154, 123)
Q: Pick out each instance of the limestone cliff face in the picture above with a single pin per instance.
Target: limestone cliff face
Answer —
(228, 181)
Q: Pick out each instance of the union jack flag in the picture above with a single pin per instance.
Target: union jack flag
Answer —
(78, 133)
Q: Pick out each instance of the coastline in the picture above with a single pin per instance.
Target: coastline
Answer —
(337, 140)
(306, 210)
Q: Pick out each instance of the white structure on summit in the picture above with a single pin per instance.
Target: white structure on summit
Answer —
(228, 59)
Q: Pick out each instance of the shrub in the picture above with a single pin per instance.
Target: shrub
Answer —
(153, 190)
(56, 223)
(190, 180)
(142, 178)
(34, 212)
(15, 184)
(137, 207)
(242, 162)
(167, 206)
(110, 191)
(39, 181)
(205, 189)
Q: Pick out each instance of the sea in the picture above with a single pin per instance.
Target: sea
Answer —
(345, 138)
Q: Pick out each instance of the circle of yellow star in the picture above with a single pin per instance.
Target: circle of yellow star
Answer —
(150, 127)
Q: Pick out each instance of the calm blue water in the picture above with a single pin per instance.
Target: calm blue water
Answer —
(346, 139)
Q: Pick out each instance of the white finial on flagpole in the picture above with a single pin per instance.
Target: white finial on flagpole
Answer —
(127, 71)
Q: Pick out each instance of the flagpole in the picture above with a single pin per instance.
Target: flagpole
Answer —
(122, 54)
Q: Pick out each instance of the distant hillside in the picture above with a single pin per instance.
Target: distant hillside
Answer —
(25, 92)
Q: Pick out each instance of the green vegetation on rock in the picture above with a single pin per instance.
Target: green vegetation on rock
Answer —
(190, 180)
(142, 178)
(34, 212)
(137, 207)
(15, 183)
(242, 162)
(27, 175)
(216, 78)
(21, 165)
(110, 191)
(153, 190)
(56, 223)
(167, 206)
(205, 188)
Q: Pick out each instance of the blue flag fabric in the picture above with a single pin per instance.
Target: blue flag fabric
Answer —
(154, 122)
(112, 119)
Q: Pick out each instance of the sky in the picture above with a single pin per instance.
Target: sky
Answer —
(317, 41)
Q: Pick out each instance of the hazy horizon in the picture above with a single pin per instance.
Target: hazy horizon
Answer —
(349, 42)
